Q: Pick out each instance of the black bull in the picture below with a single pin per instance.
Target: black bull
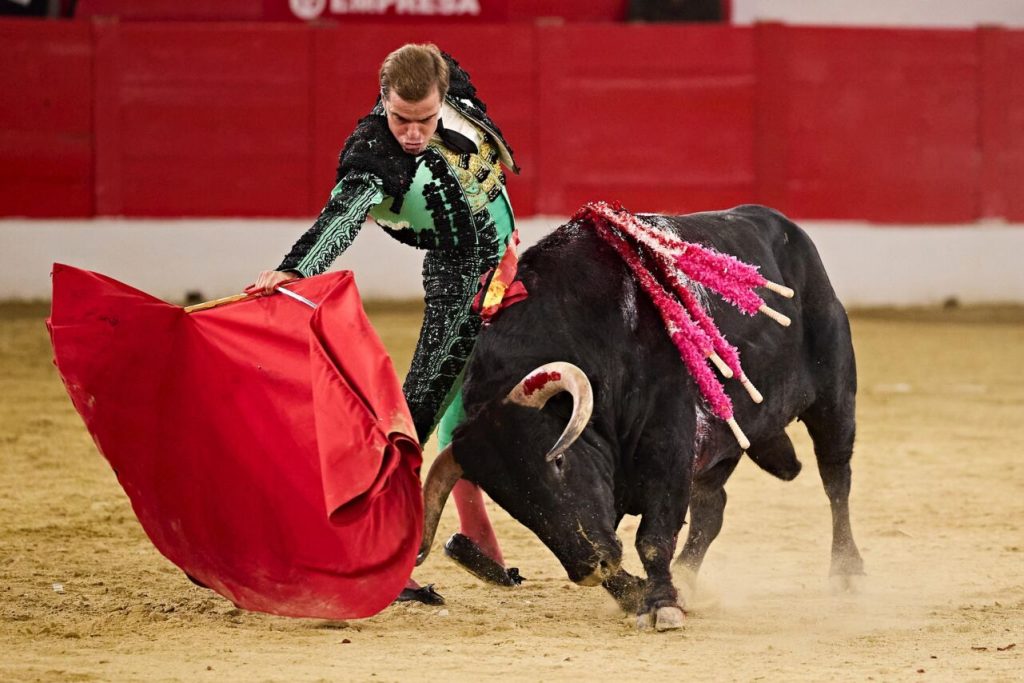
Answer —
(647, 448)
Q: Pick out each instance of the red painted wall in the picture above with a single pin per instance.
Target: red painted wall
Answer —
(237, 119)
(174, 10)
(658, 117)
(202, 119)
(379, 10)
(1002, 123)
(46, 123)
(873, 124)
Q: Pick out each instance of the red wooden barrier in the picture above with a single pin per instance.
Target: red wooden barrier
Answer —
(222, 119)
(175, 10)
(570, 10)
(346, 11)
(658, 117)
(872, 124)
(202, 119)
(1002, 123)
(46, 126)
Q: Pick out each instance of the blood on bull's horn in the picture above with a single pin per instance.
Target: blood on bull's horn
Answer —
(441, 478)
(534, 391)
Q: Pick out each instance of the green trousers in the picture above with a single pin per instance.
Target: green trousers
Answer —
(455, 413)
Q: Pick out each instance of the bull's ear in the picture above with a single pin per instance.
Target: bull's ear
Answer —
(488, 416)
(484, 411)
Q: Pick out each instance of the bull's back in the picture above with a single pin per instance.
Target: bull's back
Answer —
(760, 236)
(794, 365)
(584, 306)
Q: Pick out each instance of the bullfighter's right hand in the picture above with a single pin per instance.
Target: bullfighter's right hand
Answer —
(268, 280)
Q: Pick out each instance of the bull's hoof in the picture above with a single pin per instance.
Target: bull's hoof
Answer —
(468, 555)
(847, 584)
(661, 619)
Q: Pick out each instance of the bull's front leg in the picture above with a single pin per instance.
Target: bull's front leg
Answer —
(655, 542)
(707, 504)
(628, 590)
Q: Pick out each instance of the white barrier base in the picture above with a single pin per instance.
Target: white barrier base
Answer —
(869, 265)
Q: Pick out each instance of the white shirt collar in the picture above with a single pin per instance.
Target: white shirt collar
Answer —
(453, 120)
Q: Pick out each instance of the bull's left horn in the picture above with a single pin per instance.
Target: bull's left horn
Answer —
(441, 478)
(534, 391)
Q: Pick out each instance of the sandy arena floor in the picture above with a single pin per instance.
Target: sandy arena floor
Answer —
(938, 511)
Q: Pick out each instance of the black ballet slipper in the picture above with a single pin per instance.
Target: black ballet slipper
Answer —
(469, 556)
(425, 594)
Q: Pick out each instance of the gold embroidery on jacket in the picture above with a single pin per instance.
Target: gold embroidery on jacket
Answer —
(479, 174)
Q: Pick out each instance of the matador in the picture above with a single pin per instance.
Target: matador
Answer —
(426, 166)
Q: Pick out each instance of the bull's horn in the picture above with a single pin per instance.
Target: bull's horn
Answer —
(441, 478)
(534, 391)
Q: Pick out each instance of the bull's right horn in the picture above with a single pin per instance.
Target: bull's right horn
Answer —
(534, 391)
(441, 478)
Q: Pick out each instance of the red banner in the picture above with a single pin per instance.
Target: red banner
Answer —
(385, 10)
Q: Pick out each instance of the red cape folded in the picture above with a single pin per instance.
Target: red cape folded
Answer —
(266, 446)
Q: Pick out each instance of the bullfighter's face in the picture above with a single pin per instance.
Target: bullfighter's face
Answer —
(413, 123)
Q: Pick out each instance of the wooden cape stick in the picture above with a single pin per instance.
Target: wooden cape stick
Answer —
(239, 297)
(216, 302)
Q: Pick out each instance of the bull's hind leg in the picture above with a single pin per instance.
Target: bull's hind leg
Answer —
(707, 506)
(831, 426)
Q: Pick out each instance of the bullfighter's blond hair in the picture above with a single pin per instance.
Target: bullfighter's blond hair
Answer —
(412, 71)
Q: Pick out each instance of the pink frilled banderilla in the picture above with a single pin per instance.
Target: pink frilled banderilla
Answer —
(687, 322)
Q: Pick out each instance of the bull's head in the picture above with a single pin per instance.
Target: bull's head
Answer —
(562, 492)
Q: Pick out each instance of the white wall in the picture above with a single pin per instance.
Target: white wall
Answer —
(869, 265)
(907, 13)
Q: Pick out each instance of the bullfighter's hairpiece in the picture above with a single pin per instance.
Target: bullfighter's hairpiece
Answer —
(687, 321)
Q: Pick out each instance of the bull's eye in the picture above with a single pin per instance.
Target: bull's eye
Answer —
(559, 462)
